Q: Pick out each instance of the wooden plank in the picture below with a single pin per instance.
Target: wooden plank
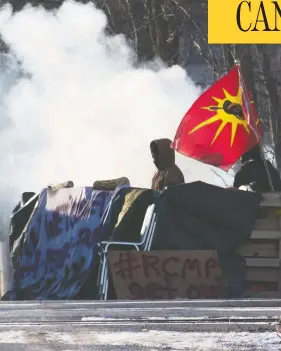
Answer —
(266, 212)
(266, 224)
(266, 234)
(251, 249)
(269, 213)
(271, 200)
(261, 274)
(262, 262)
(265, 241)
(262, 294)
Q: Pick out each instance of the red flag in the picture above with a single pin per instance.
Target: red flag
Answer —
(221, 125)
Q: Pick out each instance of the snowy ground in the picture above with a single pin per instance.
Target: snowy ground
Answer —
(84, 339)
(246, 325)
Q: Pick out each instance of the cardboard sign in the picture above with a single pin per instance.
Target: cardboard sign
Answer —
(166, 274)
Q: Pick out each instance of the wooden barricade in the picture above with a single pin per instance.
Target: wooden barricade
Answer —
(263, 251)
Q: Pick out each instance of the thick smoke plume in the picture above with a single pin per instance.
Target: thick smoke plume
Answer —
(75, 106)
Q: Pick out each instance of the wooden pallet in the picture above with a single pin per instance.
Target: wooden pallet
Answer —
(263, 251)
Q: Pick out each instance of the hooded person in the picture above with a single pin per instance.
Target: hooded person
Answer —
(253, 173)
(168, 173)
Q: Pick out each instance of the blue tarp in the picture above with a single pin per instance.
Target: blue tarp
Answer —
(58, 252)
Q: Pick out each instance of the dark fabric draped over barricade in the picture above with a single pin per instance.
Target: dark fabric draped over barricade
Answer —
(200, 216)
(124, 217)
(55, 235)
(20, 217)
(133, 205)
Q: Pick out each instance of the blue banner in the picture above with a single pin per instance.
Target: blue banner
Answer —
(58, 253)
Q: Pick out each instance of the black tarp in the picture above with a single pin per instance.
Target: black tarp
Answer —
(200, 216)
(203, 216)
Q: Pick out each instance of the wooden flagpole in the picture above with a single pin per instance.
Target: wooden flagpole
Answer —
(245, 94)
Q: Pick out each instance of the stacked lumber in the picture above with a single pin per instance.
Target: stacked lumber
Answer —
(263, 251)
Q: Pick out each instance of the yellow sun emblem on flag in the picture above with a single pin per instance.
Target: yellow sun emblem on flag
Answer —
(228, 110)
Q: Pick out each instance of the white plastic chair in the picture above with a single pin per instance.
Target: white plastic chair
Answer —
(146, 235)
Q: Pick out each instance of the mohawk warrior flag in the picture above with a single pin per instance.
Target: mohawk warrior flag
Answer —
(221, 125)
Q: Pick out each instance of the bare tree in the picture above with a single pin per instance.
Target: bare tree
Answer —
(165, 28)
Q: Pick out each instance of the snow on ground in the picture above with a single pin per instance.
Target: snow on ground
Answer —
(196, 341)
(85, 339)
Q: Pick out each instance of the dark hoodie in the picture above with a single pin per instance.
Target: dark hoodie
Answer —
(164, 159)
(253, 173)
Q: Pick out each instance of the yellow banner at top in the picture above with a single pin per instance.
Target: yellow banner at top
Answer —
(244, 22)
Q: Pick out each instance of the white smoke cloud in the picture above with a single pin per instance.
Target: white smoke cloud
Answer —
(82, 111)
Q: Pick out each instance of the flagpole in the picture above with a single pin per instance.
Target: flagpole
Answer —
(254, 129)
